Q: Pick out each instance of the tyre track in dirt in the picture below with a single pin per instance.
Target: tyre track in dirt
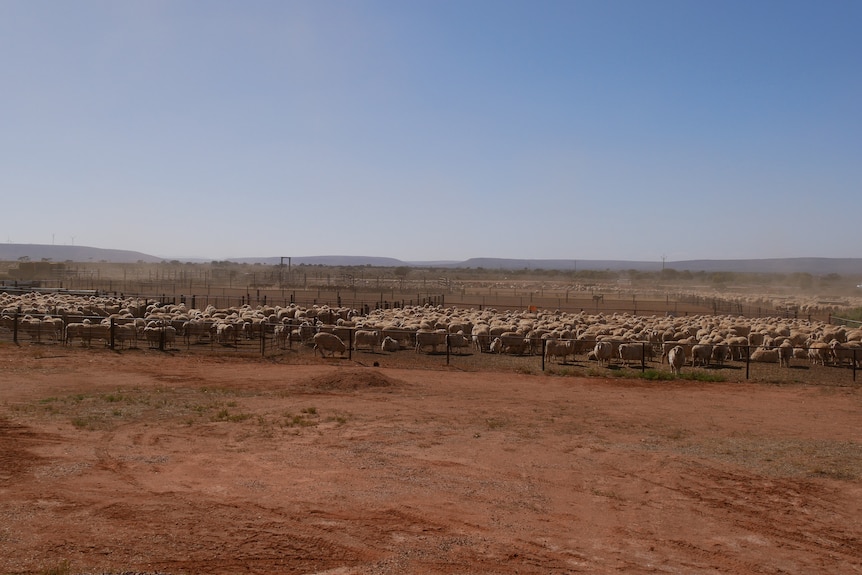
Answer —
(16, 444)
(766, 506)
(758, 508)
(429, 473)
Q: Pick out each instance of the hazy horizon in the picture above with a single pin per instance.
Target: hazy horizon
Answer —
(816, 265)
(429, 131)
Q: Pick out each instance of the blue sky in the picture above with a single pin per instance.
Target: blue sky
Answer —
(434, 130)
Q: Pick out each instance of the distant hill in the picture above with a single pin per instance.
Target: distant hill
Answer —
(326, 261)
(814, 266)
(39, 252)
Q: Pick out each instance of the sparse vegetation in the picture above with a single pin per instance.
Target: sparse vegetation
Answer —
(495, 423)
(225, 415)
(275, 445)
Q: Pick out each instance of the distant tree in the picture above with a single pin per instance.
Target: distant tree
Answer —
(721, 277)
(401, 272)
(669, 274)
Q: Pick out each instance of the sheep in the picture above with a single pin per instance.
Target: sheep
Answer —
(756, 339)
(366, 337)
(458, 341)
(818, 352)
(430, 338)
(720, 353)
(389, 344)
(306, 332)
(541, 326)
(156, 334)
(765, 355)
(225, 333)
(76, 330)
(738, 347)
(328, 342)
(514, 342)
(398, 333)
(701, 354)
(686, 344)
(125, 332)
(559, 348)
(603, 352)
(846, 352)
(281, 334)
(481, 337)
(199, 328)
(676, 359)
(632, 352)
(33, 327)
(785, 353)
(666, 346)
(54, 327)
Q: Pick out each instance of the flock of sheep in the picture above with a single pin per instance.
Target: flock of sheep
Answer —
(696, 340)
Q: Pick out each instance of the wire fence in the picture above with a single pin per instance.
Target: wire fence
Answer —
(411, 348)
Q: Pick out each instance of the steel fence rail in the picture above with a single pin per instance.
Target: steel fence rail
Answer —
(265, 341)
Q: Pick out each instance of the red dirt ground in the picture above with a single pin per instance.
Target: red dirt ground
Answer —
(145, 463)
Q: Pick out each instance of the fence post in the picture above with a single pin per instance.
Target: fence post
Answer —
(643, 355)
(112, 333)
(447, 349)
(544, 343)
(747, 360)
(15, 328)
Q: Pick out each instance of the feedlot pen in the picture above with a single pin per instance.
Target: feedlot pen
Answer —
(264, 343)
(264, 346)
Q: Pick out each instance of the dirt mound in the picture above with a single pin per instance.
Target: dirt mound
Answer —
(349, 380)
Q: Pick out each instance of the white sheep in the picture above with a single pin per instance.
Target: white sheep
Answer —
(559, 348)
(389, 344)
(632, 352)
(701, 354)
(366, 337)
(603, 352)
(785, 353)
(328, 342)
(676, 359)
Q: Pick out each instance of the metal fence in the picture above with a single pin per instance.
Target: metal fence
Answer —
(296, 342)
